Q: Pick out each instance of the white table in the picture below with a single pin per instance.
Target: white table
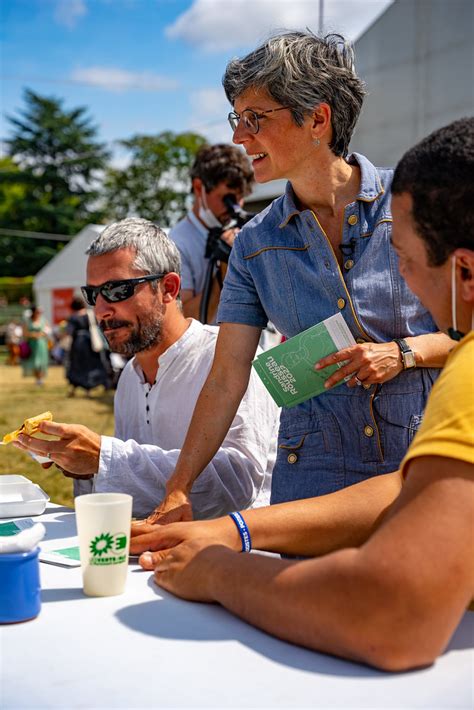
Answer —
(148, 649)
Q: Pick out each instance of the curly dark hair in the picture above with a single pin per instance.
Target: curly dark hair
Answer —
(223, 163)
(438, 173)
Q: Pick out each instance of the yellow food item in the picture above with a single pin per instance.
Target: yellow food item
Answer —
(29, 426)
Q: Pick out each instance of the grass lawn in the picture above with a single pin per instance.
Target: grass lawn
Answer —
(21, 398)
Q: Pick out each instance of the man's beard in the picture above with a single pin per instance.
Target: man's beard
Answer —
(146, 333)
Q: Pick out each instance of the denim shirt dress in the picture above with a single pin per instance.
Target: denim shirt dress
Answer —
(283, 268)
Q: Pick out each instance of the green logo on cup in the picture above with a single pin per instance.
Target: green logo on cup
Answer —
(105, 549)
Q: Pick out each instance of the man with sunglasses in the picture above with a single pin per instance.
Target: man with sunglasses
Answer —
(217, 171)
(133, 284)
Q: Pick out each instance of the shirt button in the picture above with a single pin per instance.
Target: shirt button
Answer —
(367, 386)
(368, 431)
(349, 264)
(341, 303)
(353, 219)
(292, 458)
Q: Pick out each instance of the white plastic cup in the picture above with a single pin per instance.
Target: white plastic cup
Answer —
(103, 526)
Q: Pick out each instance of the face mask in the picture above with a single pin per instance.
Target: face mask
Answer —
(453, 332)
(205, 214)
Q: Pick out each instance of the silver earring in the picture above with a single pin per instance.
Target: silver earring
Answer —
(316, 142)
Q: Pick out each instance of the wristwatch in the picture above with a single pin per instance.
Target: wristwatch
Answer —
(408, 356)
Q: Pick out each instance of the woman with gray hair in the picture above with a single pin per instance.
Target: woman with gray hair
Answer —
(320, 249)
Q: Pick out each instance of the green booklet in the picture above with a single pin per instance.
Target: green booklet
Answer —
(287, 370)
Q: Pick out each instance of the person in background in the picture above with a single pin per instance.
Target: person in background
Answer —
(13, 337)
(86, 367)
(36, 332)
(139, 311)
(396, 569)
(320, 249)
(218, 170)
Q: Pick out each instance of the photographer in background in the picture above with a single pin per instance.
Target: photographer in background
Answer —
(218, 170)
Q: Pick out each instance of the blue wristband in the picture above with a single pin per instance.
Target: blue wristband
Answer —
(243, 531)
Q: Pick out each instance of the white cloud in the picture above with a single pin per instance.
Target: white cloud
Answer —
(120, 80)
(214, 26)
(69, 12)
(208, 110)
(209, 102)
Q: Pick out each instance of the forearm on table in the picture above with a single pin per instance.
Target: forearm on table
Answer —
(316, 526)
(431, 349)
(389, 603)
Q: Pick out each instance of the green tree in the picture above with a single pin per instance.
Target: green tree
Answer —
(52, 180)
(156, 182)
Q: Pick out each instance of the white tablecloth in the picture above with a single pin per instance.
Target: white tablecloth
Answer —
(147, 649)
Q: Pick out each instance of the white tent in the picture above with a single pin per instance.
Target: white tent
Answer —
(57, 282)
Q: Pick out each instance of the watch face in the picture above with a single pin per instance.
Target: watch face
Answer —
(409, 359)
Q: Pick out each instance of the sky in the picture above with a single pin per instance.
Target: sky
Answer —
(146, 66)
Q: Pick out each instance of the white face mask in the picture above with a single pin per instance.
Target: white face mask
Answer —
(453, 332)
(205, 214)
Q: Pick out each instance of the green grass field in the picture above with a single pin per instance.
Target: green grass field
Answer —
(21, 398)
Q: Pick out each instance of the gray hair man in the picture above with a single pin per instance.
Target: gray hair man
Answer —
(133, 284)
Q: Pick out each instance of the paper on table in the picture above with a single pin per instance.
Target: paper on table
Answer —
(65, 556)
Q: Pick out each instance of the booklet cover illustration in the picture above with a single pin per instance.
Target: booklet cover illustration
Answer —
(287, 370)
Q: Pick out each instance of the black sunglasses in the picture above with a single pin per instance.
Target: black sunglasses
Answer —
(114, 291)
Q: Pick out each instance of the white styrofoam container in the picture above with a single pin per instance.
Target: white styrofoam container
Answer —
(19, 497)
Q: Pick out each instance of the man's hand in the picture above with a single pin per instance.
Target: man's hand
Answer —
(187, 569)
(155, 541)
(370, 363)
(174, 508)
(76, 452)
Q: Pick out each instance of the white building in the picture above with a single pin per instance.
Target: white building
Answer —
(56, 283)
(417, 60)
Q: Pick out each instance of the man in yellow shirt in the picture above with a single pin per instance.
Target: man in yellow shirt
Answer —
(394, 572)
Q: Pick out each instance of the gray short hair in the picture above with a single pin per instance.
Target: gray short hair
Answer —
(155, 251)
(301, 70)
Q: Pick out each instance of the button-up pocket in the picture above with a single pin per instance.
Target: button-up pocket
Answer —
(308, 464)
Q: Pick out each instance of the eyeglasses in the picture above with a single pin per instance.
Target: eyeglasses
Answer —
(250, 118)
(114, 291)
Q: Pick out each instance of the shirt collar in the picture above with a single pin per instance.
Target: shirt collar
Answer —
(370, 187)
(174, 351)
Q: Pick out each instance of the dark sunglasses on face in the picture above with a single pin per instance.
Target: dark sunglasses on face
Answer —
(114, 291)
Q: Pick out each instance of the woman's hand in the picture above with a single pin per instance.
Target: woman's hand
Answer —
(368, 363)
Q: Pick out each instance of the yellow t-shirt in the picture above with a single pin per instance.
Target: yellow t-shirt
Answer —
(448, 423)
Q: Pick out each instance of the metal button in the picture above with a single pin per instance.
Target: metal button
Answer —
(349, 264)
(360, 340)
(367, 386)
(353, 219)
(292, 458)
(341, 303)
(368, 431)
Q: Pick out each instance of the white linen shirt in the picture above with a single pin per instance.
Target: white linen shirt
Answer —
(151, 423)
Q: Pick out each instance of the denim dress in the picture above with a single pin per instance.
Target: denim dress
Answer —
(283, 268)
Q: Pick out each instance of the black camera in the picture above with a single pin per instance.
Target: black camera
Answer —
(216, 247)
